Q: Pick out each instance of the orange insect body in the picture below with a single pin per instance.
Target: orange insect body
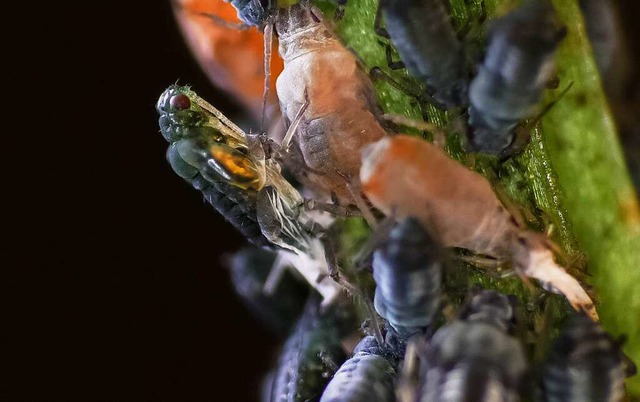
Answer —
(232, 59)
(342, 113)
(406, 176)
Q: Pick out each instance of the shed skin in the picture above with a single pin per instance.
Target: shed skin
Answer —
(405, 176)
(342, 116)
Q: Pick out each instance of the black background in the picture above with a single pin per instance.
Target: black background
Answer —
(120, 293)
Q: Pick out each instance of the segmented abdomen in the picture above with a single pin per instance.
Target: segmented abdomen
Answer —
(236, 205)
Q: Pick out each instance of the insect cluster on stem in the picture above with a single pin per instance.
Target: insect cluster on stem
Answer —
(422, 342)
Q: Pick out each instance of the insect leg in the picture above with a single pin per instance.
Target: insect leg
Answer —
(268, 40)
(334, 272)
(286, 141)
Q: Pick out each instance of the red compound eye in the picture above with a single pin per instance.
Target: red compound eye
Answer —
(180, 102)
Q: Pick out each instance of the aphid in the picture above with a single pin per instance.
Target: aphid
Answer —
(250, 269)
(232, 58)
(404, 176)
(313, 353)
(423, 35)
(407, 270)
(368, 375)
(255, 13)
(585, 364)
(474, 358)
(326, 95)
(230, 168)
(518, 64)
(604, 29)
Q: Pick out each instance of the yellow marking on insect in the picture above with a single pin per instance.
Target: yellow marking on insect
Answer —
(241, 168)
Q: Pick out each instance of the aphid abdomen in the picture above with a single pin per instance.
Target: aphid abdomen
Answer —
(474, 358)
(585, 364)
(518, 63)
(407, 270)
(367, 376)
(422, 33)
(250, 269)
(342, 114)
(312, 354)
(405, 176)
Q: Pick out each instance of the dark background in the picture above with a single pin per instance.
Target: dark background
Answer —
(120, 293)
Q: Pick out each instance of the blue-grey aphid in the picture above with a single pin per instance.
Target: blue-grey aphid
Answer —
(422, 32)
(250, 269)
(518, 64)
(407, 270)
(254, 12)
(585, 364)
(313, 353)
(369, 375)
(474, 358)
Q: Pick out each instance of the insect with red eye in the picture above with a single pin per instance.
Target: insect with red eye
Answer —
(229, 167)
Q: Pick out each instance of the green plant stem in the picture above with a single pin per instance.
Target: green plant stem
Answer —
(572, 175)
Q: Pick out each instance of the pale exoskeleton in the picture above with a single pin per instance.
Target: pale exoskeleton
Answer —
(406, 176)
(329, 99)
(231, 169)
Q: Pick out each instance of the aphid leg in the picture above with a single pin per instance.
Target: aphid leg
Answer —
(439, 136)
(493, 267)
(630, 368)
(522, 133)
(268, 40)
(394, 65)
(275, 275)
(286, 141)
(542, 327)
(376, 73)
(409, 373)
(332, 208)
(354, 187)
(377, 23)
(362, 258)
(334, 273)
(338, 14)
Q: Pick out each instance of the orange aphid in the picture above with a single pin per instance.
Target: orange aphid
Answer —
(232, 59)
(406, 176)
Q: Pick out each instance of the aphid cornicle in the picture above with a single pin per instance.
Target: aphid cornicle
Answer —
(313, 353)
(405, 176)
(423, 35)
(341, 114)
(407, 270)
(518, 64)
(250, 270)
(368, 375)
(230, 168)
(474, 358)
(585, 364)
